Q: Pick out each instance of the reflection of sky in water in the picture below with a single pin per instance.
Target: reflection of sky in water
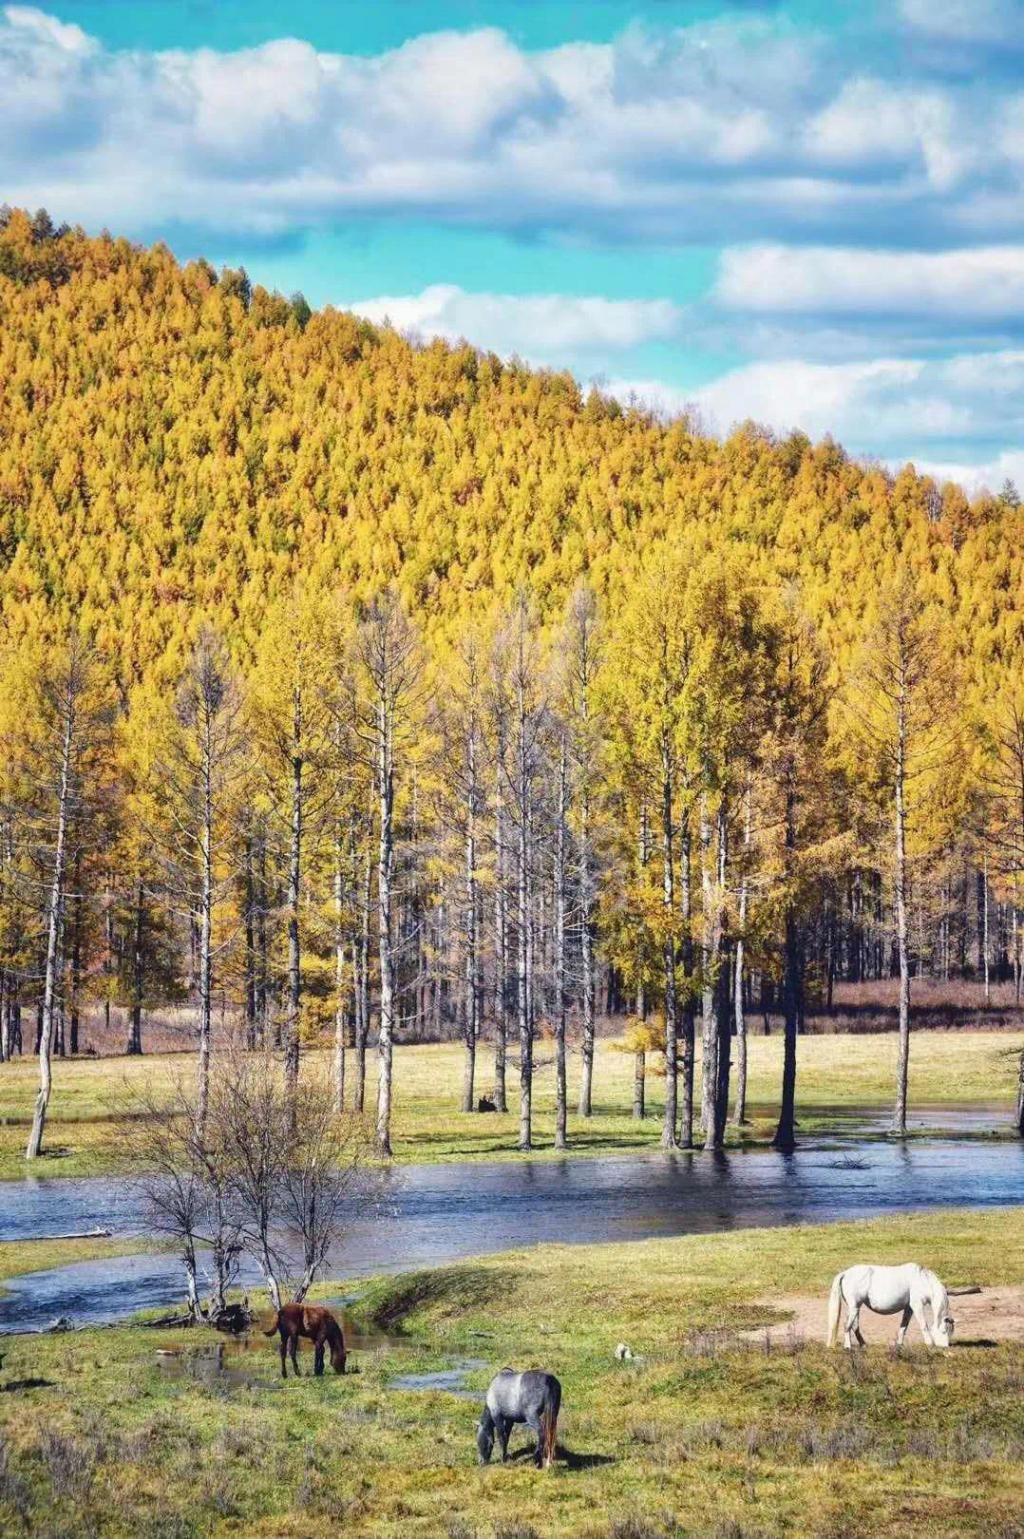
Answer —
(437, 1213)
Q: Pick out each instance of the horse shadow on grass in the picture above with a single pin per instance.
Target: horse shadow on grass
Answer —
(571, 1460)
(13, 1385)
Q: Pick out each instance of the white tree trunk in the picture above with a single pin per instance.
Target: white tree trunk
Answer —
(54, 920)
(385, 866)
(900, 832)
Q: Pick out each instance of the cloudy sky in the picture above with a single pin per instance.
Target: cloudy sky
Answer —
(807, 212)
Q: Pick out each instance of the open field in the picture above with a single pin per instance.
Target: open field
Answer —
(705, 1434)
(835, 1073)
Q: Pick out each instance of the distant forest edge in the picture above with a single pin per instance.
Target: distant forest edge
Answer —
(375, 687)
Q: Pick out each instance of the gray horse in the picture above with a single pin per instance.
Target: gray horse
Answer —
(532, 1397)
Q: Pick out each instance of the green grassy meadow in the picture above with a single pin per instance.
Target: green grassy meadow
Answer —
(706, 1433)
(835, 1073)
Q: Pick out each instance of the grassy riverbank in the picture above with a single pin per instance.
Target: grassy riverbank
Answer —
(836, 1074)
(708, 1434)
(20, 1256)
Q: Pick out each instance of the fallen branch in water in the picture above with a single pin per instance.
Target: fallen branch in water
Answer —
(956, 1293)
(84, 1234)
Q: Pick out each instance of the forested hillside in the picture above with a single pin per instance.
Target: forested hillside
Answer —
(364, 688)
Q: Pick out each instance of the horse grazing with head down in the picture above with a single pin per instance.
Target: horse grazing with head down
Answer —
(318, 1326)
(532, 1397)
(890, 1290)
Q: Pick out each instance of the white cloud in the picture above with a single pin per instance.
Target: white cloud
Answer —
(887, 406)
(985, 475)
(726, 131)
(980, 283)
(543, 326)
(962, 21)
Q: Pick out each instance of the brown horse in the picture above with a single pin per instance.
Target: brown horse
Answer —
(318, 1326)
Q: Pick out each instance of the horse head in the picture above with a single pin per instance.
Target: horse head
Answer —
(485, 1437)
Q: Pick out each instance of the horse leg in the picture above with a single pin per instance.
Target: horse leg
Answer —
(293, 1343)
(536, 1426)
(318, 1359)
(919, 1315)
(853, 1326)
(503, 1427)
(284, 1355)
(905, 1319)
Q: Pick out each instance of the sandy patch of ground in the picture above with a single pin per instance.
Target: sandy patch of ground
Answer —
(994, 1314)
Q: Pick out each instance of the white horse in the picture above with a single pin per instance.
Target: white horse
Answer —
(886, 1290)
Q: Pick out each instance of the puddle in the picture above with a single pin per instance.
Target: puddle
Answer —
(254, 1359)
(213, 1364)
(450, 1381)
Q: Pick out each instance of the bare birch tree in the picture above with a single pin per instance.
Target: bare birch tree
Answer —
(67, 721)
(903, 700)
(389, 658)
(201, 776)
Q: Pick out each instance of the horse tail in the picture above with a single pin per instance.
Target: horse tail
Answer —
(835, 1300)
(273, 1328)
(549, 1421)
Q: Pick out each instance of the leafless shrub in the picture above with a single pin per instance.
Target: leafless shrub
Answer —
(633, 1527)
(704, 1434)
(14, 1491)
(265, 1172)
(646, 1432)
(458, 1528)
(70, 1463)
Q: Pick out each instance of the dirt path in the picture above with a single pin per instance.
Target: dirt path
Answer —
(995, 1314)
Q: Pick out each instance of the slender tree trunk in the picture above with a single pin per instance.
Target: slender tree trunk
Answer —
(668, 1131)
(249, 900)
(471, 982)
(262, 949)
(205, 949)
(640, 1058)
(561, 1140)
(785, 1132)
(54, 923)
(293, 1020)
(741, 1016)
(363, 985)
(689, 1024)
(586, 959)
(524, 1003)
(501, 939)
(138, 971)
(900, 830)
(723, 1013)
(709, 1065)
(76, 960)
(385, 918)
(1015, 922)
(340, 993)
(984, 932)
(524, 918)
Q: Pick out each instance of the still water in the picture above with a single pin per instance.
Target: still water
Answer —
(431, 1214)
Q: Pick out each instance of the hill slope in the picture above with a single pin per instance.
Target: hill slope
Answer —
(173, 442)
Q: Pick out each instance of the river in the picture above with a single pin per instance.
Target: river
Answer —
(431, 1214)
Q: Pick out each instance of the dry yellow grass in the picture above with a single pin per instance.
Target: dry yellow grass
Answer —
(836, 1073)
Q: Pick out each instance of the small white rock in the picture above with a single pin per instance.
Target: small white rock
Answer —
(623, 1353)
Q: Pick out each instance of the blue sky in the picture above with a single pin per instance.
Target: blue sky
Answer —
(811, 214)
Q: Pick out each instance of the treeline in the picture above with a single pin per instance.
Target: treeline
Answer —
(357, 686)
